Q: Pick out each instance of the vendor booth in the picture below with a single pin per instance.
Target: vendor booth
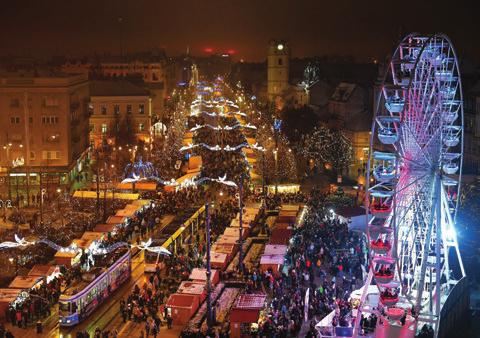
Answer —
(280, 236)
(235, 232)
(218, 260)
(48, 272)
(272, 249)
(223, 239)
(229, 249)
(200, 275)
(117, 220)
(8, 296)
(272, 262)
(25, 282)
(193, 288)
(182, 307)
(245, 314)
(104, 228)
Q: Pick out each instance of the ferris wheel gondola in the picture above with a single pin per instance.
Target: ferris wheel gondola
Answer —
(413, 183)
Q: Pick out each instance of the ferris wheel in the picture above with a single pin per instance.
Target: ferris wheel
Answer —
(413, 185)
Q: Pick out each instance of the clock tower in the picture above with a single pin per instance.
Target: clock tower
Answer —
(278, 64)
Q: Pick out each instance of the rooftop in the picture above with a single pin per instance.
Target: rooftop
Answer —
(343, 92)
(116, 88)
(251, 301)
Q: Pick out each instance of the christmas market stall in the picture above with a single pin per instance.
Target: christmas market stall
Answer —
(48, 272)
(200, 275)
(193, 288)
(10, 297)
(235, 232)
(271, 262)
(245, 314)
(218, 260)
(182, 307)
(280, 236)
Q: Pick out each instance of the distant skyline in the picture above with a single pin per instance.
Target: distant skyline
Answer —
(366, 30)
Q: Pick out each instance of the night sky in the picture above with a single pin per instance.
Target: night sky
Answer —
(362, 28)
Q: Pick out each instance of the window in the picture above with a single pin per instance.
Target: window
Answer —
(116, 109)
(92, 128)
(141, 127)
(49, 119)
(32, 155)
(104, 128)
(141, 108)
(129, 109)
(30, 120)
(15, 120)
(104, 109)
(15, 103)
(280, 62)
(50, 155)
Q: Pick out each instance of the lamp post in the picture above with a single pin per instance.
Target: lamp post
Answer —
(277, 125)
(240, 228)
(209, 272)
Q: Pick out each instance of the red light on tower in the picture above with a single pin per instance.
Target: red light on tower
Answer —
(208, 50)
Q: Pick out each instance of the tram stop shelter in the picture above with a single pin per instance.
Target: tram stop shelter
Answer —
(182, 307)
(200, 275)
(245, 312)
(193, 288)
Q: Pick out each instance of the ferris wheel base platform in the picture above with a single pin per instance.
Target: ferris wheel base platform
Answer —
(394, 329)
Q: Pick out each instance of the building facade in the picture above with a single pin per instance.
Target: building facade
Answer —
(119, 109)
(43, 132)
(278, 63)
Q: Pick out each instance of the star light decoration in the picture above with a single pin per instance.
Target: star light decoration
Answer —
(254, 146)
(94, 249)
(235, 126)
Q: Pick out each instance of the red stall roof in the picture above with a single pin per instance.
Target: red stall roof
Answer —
(280, 236)
(179, 300)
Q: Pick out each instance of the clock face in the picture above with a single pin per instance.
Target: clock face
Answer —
(280, 46)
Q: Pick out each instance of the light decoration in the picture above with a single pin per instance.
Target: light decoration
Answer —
(22, 242)
(238, 125)
(19, 242)
(195, 112)
(94, 249)
(254, 146)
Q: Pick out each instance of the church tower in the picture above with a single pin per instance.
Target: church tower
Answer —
(278, 64)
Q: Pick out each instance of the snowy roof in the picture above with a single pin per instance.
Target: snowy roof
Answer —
(272, 249)
(272, 259)
(191, 288)
(251, 301)
(201, 274)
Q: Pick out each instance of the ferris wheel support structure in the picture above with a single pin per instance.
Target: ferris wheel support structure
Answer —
(413, 188)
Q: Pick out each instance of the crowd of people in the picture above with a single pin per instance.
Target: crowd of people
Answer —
(36, 306)
(324, 257)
